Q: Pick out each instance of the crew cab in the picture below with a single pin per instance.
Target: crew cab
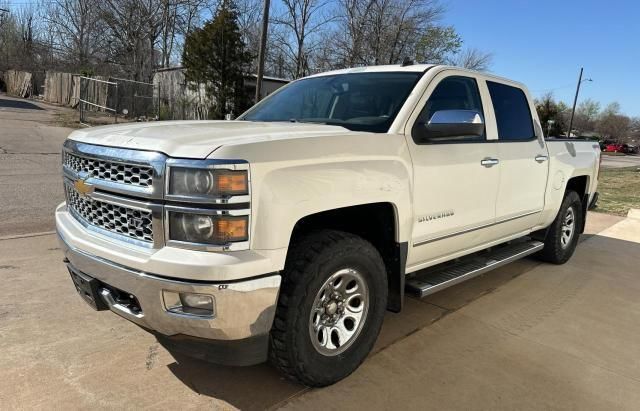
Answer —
(286, 234)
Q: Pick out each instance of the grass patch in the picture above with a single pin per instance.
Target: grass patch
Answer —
(619, 190)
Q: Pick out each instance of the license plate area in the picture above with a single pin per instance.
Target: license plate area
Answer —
(87, 288)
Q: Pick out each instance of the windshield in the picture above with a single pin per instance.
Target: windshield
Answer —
(357, 101)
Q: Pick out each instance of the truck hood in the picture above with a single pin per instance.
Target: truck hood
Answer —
(198, 139)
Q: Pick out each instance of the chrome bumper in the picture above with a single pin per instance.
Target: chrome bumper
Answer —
(243, 309)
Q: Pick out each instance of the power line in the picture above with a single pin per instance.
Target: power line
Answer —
(553, 89)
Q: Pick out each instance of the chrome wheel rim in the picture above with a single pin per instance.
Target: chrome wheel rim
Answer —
(339, 311)
(568, 228)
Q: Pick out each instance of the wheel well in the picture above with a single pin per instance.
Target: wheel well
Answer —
(580, 184)
(375, 223)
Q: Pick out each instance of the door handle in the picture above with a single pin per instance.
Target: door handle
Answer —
(489, 162)
(541, 158)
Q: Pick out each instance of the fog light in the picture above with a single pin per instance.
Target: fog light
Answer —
(199, 305)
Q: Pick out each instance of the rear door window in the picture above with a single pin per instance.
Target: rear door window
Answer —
(512, 112)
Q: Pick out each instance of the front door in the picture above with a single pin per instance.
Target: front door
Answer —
(455, 188)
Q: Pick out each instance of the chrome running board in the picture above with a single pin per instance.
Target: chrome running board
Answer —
(433, 279)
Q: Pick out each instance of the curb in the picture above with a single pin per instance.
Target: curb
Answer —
(15, 237)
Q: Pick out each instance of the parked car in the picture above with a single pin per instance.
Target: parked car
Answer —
(289, 232)
(615, 148)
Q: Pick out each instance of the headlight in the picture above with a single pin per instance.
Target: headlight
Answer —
(207, 229)
(207, 183)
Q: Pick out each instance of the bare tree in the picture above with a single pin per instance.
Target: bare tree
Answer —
(298, 25)
(634, 131)
(133, 27)
(384, 31)
(249, 19)
(76, 31)
(613, 125)
(437, 44)
(586, 116)
(132, 38)
(179, 17)
(472, 59)
(352, 35)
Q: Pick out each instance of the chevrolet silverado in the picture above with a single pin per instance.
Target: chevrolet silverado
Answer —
(286, 234)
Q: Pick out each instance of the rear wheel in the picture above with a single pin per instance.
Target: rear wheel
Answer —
(331, 307)
(563, 234)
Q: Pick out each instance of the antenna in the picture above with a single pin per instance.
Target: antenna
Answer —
(406, 62)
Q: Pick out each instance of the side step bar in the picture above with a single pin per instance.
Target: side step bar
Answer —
(439, 277)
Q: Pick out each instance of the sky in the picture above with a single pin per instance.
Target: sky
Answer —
(544, 43)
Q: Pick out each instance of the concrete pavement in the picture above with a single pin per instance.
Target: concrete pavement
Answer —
(610, 161)
(527, 335)
(30, 173)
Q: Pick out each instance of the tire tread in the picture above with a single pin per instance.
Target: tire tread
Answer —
(284, 354)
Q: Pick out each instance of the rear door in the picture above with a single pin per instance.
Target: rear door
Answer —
(523, 160)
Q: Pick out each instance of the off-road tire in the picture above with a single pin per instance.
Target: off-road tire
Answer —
(309, 264)
(553, 251)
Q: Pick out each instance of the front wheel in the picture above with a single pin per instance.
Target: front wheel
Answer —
(331, 307)
(563, 234)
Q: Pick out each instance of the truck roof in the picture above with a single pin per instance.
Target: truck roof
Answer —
(411, 68)
(378, 69)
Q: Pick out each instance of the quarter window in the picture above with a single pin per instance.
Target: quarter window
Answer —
(512, 112)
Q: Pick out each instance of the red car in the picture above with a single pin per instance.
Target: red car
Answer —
(615, 148)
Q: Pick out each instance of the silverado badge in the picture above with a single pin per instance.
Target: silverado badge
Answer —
(436, 216)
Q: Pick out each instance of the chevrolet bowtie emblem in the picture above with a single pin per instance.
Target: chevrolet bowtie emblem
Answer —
(82, 187)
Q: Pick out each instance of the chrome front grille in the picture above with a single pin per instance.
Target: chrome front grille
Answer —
(135, 175)
(134, 223)
(120, 193)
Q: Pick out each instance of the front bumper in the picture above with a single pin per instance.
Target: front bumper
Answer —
(244, 309)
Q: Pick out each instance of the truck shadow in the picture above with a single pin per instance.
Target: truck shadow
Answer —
(263, 387)
(19, 104)
(257, 387)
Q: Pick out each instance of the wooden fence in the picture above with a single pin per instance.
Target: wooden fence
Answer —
(62, 88)
(178, 100)
(18, 83)
(132, 99)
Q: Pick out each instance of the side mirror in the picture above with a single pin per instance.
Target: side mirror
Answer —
(452, 124)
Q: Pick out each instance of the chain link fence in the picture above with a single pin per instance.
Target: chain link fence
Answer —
(113, 100)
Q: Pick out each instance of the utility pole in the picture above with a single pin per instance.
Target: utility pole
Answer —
(575, 100)
(263, 47)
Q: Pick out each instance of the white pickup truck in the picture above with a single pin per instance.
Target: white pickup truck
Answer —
(287, 233)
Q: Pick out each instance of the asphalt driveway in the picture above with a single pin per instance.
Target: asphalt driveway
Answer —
(30, 173)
